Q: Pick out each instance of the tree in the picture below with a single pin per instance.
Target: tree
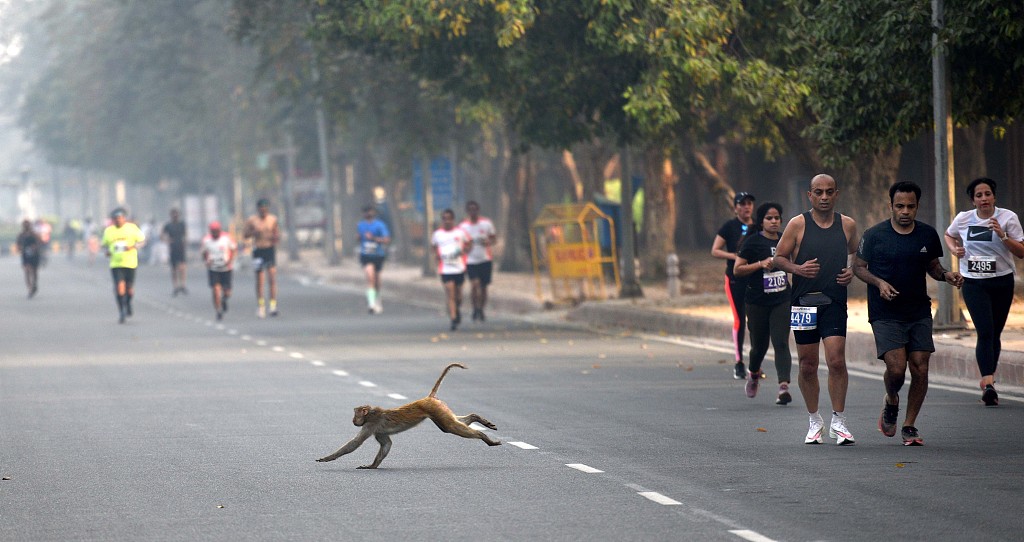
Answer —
(147, 91)
(872, 77)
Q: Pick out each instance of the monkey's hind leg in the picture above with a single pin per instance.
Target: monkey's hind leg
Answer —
(452, 424)
(470, 418)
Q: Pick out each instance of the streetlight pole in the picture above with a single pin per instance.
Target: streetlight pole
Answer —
(948, 313)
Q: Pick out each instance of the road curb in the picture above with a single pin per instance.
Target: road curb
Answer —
(951, 360)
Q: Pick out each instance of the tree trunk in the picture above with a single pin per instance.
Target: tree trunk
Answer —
(659, 223)
(519, 186)
(971, 163)
(864, 190)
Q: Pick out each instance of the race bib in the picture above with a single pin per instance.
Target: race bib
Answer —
(369, 246)
(981, 265)
(774, 282)
(803, 318)
(120, 246)
(257, 263)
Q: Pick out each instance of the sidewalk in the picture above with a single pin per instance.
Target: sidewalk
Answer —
(701, 317)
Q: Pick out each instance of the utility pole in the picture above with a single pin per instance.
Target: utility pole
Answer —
(630, 286)
(288, 199)
(948, 313)
(428, 221)
(330, 232)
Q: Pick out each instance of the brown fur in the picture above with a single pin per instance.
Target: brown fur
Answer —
(381, 423)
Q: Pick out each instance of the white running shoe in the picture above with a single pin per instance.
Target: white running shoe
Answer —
(837, 430)
(261, 312)
(378, 307)
(814, 432)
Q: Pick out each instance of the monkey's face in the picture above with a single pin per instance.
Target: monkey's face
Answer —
(359, 418)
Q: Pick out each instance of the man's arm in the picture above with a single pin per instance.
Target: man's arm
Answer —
(860, 269)
(939, 273)
(845, 277)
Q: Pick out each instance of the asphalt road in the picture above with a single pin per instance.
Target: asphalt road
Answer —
(173, 426)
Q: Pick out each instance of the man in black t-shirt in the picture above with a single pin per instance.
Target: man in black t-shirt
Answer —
(725, 246)
(174, 234)
(893, 258)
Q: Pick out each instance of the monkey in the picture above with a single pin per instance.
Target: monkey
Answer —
(382, 423)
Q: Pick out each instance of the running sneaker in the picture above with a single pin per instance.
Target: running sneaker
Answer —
(273, 307)
(455, 324)
(739, 371)
(784, 397)
(378, 307)
(990, 397)
(261, 312)
(220, 316)
(752, 384)
(814, 432)
(911, 437)
(887, 420)
(837, 430)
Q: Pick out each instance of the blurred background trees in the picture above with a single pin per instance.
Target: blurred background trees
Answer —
(528, 102)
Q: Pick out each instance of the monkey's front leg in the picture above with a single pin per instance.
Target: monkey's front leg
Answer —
(385, 447)
(348, 448)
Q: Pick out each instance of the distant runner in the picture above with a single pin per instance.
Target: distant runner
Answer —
(219, 255)
(121, 242)
(263, 230)
(480, 260)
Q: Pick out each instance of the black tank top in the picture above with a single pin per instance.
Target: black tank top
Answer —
(829, 247)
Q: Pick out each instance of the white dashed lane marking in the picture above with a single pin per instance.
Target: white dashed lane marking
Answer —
(751, 535)
(659, 498)
(523, 445)
(397, 396)
(367, 384)
(583, 468)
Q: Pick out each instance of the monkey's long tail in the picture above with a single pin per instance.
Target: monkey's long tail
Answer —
(433, 392)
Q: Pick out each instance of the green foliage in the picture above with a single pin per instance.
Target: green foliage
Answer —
(872, 69)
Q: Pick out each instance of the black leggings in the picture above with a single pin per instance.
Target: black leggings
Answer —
(988, 301)
(770, 322)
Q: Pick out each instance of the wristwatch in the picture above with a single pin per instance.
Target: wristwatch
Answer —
(1005, 236)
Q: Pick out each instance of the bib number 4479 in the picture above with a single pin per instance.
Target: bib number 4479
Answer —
(803, 318)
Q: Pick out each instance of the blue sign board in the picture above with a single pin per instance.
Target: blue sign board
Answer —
(441, 184)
